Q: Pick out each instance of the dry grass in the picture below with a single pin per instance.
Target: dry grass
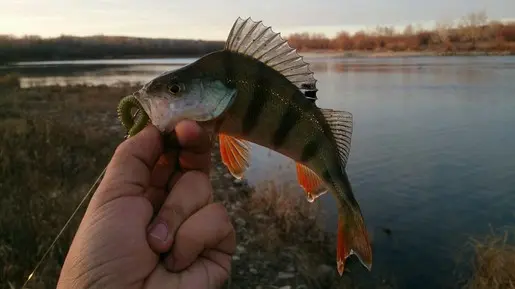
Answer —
(10, 81)
(53, 143)
(494, 262)
(280, 210)
(287, 231)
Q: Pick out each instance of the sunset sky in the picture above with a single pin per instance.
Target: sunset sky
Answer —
(210, 19)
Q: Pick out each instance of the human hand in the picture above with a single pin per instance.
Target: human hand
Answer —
(120, 244)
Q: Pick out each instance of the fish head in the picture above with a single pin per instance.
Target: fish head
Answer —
(184, 94)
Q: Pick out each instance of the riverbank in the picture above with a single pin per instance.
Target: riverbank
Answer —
(391, 54)
(55, 140)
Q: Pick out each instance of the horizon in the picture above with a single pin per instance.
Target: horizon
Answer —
(48, 20)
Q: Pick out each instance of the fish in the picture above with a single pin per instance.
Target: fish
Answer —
(258, 89)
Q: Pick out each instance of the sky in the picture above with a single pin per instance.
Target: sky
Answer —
(212, 19)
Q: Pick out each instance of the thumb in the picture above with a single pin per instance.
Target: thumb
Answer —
(128, 172)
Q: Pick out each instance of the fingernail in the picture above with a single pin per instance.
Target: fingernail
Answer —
(159, 231)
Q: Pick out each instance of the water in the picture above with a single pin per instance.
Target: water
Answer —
(433, 149)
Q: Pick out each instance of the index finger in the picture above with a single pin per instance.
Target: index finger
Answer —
(194, 146)
(192, 137)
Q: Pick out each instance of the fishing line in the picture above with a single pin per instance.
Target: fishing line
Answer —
(65, 226)
(133, 124)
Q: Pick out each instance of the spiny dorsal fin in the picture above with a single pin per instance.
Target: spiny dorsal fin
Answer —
(261, 43)
(340, 123)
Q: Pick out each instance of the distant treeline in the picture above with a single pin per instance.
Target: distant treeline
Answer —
(32, 48)
(473, 32)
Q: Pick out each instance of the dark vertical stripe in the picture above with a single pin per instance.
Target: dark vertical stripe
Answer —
(309, 151)
(288, 120)
(257, 103)
(229, 71)
(326, 175)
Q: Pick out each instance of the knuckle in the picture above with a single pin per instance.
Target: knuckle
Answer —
(171, 213)
(198, 183)
(196, 177)
(220, 211)
(123, 148)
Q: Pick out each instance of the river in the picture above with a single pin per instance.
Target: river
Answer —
(433, 148)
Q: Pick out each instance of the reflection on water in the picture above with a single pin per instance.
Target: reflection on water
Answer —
(432, 153)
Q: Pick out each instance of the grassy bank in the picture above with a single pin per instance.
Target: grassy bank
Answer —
(55, 140)
(53, 143)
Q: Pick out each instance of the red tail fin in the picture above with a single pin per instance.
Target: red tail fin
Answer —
(352, 239)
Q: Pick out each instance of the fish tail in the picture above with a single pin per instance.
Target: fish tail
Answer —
(352, 238)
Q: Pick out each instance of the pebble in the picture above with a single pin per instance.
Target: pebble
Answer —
(240, 249)
(285, 275)
(285, 287)
(325, 270)
(240, 222)
(253, 271)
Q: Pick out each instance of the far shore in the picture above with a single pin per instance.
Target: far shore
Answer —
(309, 54)
(380, 54)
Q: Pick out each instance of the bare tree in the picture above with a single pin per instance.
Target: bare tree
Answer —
(409, 30)
(472, 25)
(442, 31)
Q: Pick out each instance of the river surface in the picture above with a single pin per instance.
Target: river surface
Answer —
(433, 149)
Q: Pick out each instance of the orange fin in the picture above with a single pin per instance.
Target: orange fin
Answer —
(235, 154)
(352, 238)
(310, 182)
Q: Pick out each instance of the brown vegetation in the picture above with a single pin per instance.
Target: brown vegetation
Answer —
(494, 262)
(33, 48)
(53, 143)
(473, 33)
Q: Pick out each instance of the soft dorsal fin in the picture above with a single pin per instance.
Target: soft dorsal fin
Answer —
(261, 43)
(341, 124)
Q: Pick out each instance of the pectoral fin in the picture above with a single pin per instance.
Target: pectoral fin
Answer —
(310, 182)
(235, 154)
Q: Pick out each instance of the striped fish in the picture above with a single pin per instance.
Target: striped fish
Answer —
(257, 90)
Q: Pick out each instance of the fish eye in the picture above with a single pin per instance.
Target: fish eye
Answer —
(174, 88)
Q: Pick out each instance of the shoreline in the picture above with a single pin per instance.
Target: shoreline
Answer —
(398, 54)
(304, 53)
